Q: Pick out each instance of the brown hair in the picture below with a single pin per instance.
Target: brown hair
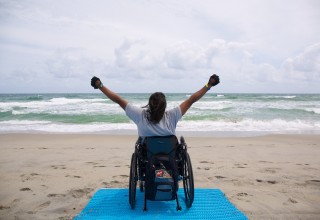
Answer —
(156, 107)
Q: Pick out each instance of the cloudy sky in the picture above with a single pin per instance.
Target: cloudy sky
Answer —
(260, 46)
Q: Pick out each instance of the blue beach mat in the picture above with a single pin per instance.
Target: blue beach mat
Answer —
(113, 204)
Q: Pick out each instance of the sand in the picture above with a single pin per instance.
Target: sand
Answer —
(53, 176)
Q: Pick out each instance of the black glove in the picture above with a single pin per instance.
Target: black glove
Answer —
(93, 82)
(214, 80)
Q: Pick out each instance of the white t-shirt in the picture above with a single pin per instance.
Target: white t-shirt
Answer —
(166, 126)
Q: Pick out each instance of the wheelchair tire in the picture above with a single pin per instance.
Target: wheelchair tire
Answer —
(188, 184)
(133, 181)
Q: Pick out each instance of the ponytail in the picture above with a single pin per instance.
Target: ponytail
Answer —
(156, 107)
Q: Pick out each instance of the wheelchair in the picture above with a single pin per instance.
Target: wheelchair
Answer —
(158, 164)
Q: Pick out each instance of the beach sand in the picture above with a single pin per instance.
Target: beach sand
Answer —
(53, 176)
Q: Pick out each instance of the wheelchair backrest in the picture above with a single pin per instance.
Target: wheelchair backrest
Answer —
(161, 168)
(161, 145)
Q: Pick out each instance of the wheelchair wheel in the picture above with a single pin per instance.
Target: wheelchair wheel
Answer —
(188, 184)
(133, 181)
(141, 186)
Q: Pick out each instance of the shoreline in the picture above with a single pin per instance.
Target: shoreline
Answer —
(53, 176)
(134, 132)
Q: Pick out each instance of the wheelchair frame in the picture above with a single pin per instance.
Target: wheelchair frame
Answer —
(138, 173)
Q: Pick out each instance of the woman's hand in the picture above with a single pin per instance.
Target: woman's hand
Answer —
(96, 83)
(214, 80)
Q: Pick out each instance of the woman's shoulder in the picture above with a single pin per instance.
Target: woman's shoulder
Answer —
(174, 112)
(130, 108)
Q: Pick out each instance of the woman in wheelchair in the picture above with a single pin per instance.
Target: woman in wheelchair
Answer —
(159, 160)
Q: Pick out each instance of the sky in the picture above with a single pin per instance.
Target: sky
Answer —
(255, 46)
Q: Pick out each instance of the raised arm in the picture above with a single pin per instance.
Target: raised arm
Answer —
(97, 84)
(184, 106)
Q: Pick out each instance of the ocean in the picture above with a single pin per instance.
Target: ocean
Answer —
(213, 115)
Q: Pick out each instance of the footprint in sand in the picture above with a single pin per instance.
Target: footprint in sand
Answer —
(115, 181)
(122, 176)
(220, 177)
(61, 167)
(65, 217)
(268, 181)
(92, 163)
(40, 207)
(271, 181)
(43, 205)
(292, 201)
(54, 195)
(242, 194)
(25, 189)
(239, 165)
(78, 193)
(73, 176)
(4, 207)
(95, 164)
(26, 177)
(313, 182)
(270, 170)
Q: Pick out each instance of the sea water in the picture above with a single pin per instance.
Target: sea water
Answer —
(214, 114)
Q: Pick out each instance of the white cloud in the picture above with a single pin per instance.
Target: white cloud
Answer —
(305, 66)
(72, 63)
(185, 56)
(254, 45)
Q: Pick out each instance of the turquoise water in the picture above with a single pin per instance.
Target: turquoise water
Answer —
(262, 113)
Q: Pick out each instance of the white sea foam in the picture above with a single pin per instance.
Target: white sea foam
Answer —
(279, 97)
(45, 126)
(61, 106)
(212, 105)
(313, 110)
(247, 113)
(248, 125)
